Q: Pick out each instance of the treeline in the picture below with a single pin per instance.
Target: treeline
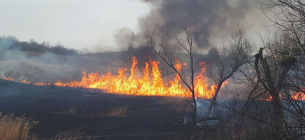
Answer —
(11, 43)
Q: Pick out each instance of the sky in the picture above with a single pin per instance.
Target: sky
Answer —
(98, 25)
(75, 24)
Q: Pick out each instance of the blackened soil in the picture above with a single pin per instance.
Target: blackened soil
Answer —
(60, 110)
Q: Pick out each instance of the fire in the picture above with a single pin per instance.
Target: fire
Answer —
(149, 84)
(269, 98)
(37, 84)
(298, 96)
(9, 79)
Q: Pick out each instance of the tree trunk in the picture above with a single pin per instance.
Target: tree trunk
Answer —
(213, 101)
(195, 108)
(277, 116)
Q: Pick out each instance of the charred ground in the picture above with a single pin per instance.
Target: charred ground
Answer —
(62, 109)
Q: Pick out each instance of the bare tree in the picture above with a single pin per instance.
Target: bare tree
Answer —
(289, 16)
(277, 76)
(229, 60)
(279, 68)
(161, 49)
(272, 76)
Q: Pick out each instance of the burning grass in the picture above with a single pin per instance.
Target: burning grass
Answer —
(148, 82)
(151, 83)
(13, 128)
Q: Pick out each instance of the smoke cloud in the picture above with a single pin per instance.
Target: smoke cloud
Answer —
(205, 19)
(45, 66)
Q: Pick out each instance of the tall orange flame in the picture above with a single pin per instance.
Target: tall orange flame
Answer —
(149, 84)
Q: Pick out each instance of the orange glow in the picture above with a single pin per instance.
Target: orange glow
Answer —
(25, 82)
(298, 96)
(9, 79)
(41, 84)
(269, 98)
(150, 83)
(37, 84)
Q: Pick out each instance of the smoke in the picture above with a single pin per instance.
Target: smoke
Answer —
(205, 19)
(32, 62)
(33, 66)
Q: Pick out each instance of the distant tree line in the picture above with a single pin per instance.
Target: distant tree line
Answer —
(11, 43)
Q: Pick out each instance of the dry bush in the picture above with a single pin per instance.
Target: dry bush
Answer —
(70, 135)
(13, 128)
(177, 103)
(116, 112)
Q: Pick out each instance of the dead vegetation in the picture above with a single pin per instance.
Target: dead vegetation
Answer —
(71, 110)
(177, 103)
(13, 128)
(116, 112)
(70, 135)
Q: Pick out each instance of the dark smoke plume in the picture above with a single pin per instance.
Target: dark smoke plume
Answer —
(206, 19)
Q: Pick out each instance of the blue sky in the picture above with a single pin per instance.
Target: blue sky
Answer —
(73, 23)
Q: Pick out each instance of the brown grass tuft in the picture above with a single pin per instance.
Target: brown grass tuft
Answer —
(13, 128)
(116, 112)
(177, 103)
(71, 110)
(70, 135)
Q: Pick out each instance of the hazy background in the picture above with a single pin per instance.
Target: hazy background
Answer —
(102, 25)
(74, 23)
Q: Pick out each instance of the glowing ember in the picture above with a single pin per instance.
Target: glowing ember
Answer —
(37, 84)
(9, 79)
(298, 96)
(269, 98)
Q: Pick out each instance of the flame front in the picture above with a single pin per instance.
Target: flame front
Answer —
(149, 84)
(298, 96)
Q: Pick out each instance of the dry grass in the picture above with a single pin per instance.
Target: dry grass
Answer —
(172, 100)
(116, 112)
(177, 103)
(71, 110)
(15, 128)
(70, 135)
(182, 107)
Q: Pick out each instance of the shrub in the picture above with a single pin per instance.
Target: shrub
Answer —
(13, 128)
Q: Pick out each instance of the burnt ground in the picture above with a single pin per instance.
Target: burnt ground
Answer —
(61, 109)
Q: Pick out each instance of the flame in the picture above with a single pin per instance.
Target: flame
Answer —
(269, 98)
(37, 84)
(7, 78)
(298, 96)
(150, 83)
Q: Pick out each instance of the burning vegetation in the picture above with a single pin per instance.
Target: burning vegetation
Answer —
(266, 89)
(151, 83)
